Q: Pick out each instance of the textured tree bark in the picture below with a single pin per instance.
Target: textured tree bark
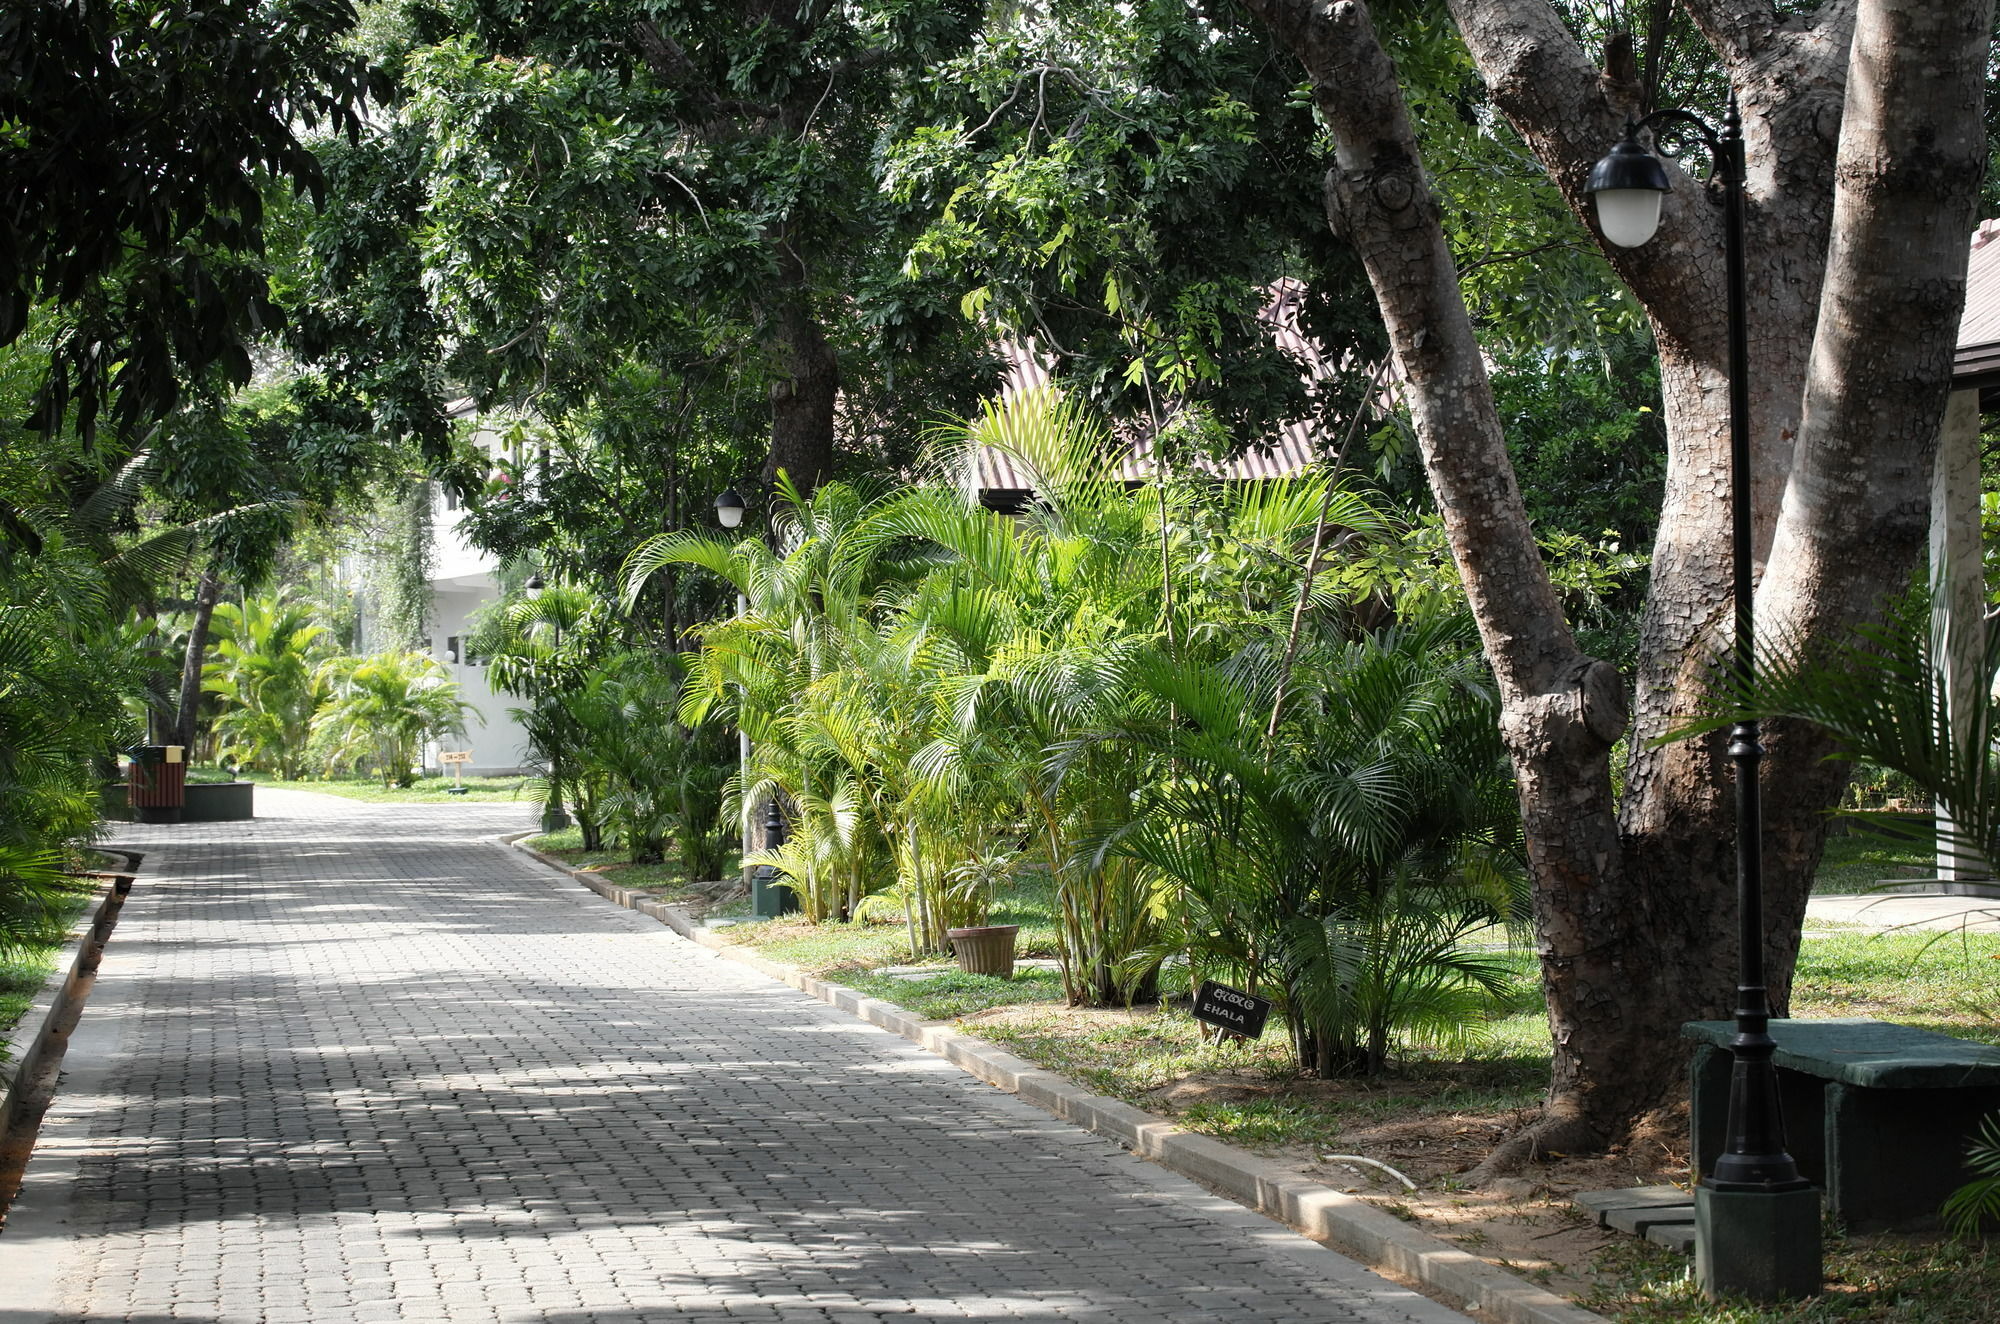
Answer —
(1958, 598)
(806, 381)
(207, 592)
(805, 388)
(1855, 293)
(1562, 710)
(1856, 507)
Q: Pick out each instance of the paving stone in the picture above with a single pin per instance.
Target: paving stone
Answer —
(380, 1067)
(1674, 1236)
(1639, 1222)
(1600, 1204)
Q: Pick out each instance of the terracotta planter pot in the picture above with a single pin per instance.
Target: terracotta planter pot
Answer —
(986, 950)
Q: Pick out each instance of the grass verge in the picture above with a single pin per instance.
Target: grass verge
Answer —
(23, 973)
(852, 954)
(1869, 1280)
(426, 790)
(668, 880)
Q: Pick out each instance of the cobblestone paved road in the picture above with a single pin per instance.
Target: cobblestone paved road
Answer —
(353, 1063)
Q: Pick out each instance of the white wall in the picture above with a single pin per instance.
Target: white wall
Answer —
(462, 582)
(495, 739)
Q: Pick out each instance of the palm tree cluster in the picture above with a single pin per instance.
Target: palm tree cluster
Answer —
(288, 703)
(1190, 711)
(265, 673)
(70, 661)
(602, 717)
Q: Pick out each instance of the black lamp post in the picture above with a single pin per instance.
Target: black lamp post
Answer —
(1754, 1213)
(769, 898)
(729, 514)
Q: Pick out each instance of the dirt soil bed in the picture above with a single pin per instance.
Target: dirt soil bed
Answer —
(1525, 1223)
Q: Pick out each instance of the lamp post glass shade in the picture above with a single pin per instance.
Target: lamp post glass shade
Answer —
(534, 586)
(1628, 185)
(729, 509)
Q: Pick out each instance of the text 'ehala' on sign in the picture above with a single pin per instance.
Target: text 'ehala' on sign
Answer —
(1231, 1009)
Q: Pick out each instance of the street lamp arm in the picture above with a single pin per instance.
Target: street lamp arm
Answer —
(1725, 145)
(1671, 115)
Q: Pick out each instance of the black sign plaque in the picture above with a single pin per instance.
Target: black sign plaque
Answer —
(1231, 1009)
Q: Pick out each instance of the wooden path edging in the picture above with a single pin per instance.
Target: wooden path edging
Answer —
(35, 1063)
(1313, 1209)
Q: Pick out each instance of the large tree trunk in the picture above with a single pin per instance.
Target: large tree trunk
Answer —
(1677, 825)
(207, 592)
(1634, 902)
(805, 385)
(806, 381)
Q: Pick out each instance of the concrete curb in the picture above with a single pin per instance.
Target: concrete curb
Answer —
(32, 1089)
(15, 1044)
(1316, 1211)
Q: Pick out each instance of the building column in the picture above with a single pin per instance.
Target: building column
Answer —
(1958, 593)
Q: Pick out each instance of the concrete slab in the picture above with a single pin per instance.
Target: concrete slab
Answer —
(1676, 1237)
(1600, 1204)
(1906, 910)
(1639, 1222)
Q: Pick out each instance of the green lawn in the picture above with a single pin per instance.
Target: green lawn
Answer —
(22, 975)
(427, 790)
(1943, 981)
(1857, 860)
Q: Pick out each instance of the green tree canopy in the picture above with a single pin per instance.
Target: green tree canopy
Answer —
(137, 145)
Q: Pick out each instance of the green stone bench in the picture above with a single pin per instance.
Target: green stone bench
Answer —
(1877, 1115)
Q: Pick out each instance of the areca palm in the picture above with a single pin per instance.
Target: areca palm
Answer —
(1051, 609)
(264, 670)
(660, 777)
(1886, 699)
(925, 679)
(61, 713)
(383, 708)
(778, 667)
(1345, 866)
(546, 652)
(70, 573)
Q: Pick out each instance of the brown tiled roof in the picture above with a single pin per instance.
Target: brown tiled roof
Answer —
(1978, 361)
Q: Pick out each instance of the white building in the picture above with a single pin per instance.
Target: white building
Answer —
(463, 580)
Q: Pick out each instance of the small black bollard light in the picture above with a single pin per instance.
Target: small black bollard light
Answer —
(770, 898)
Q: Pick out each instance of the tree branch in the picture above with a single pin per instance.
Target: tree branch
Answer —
(1379, 199)
(1546, 87)
(1739, 29)
(1912, 154)
(672, 67)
